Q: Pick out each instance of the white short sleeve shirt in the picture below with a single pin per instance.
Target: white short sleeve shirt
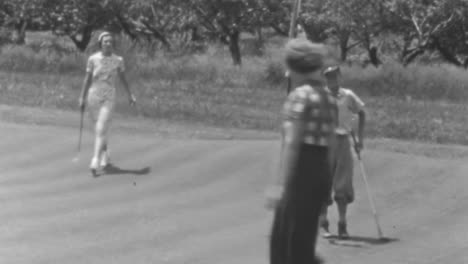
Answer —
(349, 105)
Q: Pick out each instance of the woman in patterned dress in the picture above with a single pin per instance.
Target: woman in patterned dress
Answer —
(102, 71)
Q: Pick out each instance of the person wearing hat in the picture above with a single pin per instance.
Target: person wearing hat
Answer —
(303, 182)
(349, 107)
(98, 93)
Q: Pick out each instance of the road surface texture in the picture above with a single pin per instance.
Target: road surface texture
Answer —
(200, 201)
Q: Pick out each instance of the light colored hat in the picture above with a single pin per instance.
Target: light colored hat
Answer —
(102, 35)
(332, 70)
(304, 56)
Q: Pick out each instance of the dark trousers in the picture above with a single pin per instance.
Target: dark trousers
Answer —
(296, 220)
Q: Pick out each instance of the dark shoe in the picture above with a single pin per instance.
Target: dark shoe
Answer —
(94, 172)
(342, 230)
(318, 260)
(326, 232)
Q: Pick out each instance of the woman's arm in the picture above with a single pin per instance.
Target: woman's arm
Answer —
(123, 78)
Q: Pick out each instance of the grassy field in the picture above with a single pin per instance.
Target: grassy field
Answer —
(424, 103)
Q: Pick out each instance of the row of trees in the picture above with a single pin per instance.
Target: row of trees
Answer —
(414, 27)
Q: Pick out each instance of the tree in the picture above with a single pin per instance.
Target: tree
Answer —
(321, 21)
(450, 39)
(78, 19)
(276, 14)
(154, 19)
(20, 15)
(430, 25)
(226, 19)
(367, 25)
(350, 22)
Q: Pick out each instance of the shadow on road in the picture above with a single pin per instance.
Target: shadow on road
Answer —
(115, 170)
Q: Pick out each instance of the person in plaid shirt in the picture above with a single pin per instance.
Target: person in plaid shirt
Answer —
(303, 186)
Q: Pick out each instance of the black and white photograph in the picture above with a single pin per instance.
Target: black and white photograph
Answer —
(233, 131)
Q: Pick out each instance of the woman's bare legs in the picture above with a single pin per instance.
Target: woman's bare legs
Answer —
(101, 131)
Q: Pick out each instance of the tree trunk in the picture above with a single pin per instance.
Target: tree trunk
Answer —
(234, 47)
(20, 32)
(344, 46)
(194, 34)
(158, 35)
(373, 57)
(259, 43)
(448, 56)
(260, 34)
(405, 50)
(412, 55)
(127, 27)
(465, 63)
(162, 38)
(82, 43)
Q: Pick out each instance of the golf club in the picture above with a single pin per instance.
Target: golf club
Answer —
(82, 108)
(369, 193)
(293, 32)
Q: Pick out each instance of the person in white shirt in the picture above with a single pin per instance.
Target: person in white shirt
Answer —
(102, 70)
(350, 106)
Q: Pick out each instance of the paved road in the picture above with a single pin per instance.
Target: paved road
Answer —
(200, 202)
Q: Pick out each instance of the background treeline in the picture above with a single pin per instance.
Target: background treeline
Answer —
(401, 30)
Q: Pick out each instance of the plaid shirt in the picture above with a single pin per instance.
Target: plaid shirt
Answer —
(318, 111)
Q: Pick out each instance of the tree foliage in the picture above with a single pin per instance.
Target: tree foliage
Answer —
(417, 27)
(431, 25)
(20, 15)
(78, 19)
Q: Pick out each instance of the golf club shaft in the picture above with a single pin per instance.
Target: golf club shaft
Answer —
(81, 128)
(296, 7)
(371, 200)
(368, 189)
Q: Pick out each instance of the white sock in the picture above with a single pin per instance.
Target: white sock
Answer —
(94, 163)
(104, 158)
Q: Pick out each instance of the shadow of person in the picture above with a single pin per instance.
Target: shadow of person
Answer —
(360, 241)
(111, 169)
(373, 240)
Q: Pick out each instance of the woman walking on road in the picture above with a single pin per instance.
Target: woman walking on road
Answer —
(309, 120)
(98, 93)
